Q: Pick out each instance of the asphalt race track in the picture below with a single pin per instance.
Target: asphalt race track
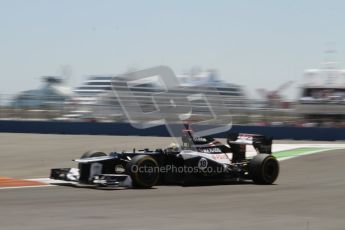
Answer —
(309, 195)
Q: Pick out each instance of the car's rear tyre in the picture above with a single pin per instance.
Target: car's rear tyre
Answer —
(90, 154)
(264, 169)
(143, 170)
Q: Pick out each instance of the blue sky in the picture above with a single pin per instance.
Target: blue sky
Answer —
(253, 43)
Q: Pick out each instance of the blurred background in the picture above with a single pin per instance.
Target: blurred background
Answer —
(271, 63)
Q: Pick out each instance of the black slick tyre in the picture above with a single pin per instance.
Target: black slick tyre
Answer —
(143, 170)
(264, 169)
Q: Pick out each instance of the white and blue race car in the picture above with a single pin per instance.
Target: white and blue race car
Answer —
(198, 160)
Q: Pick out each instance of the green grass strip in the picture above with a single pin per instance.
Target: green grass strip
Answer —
(295, 152)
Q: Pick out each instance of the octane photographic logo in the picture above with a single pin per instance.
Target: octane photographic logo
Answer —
(179, 169)
(154, 97)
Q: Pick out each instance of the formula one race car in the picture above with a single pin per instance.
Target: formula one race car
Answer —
(197, 160)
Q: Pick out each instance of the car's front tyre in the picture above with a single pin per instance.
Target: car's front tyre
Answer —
(143, 170)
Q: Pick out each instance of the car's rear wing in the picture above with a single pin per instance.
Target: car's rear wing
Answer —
(261, 143)
(236, 141)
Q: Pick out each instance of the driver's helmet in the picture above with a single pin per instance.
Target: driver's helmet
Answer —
(174, 147)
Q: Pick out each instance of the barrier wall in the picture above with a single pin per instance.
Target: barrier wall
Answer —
(125, 129)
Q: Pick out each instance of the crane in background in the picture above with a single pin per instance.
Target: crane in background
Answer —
(274, 98)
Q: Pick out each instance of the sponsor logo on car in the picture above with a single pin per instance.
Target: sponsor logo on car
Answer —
(211, 150)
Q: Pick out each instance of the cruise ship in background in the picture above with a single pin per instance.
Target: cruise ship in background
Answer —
(233, 102)
(92, 87)
(90, 99)
(95, 98)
